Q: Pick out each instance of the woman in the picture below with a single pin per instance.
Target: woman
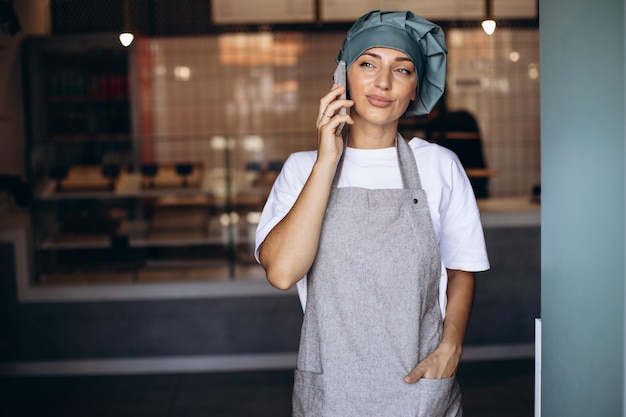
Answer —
(381, 236)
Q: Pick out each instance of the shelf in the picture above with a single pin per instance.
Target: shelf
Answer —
(113, 202)
(88, 99)
(139, 235)
(208, 191)
(86, 242)
(89, 137)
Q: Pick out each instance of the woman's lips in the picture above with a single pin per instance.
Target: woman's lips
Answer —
(378, 101)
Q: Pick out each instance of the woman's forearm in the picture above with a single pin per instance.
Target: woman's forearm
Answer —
(460, 299)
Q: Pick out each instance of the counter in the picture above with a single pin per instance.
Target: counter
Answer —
(224, 325)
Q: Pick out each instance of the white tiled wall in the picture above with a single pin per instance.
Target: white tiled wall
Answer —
(269, 85)
(505, 101)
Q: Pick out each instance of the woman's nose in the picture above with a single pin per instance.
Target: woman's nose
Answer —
(383, 80)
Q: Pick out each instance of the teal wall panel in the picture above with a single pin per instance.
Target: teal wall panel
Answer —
(583, 200)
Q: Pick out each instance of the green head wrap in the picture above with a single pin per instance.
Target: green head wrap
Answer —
(420, 39)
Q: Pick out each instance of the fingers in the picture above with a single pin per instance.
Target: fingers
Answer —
(437, 365)
(331, 124)
(329, 139)
(415, 375)
(331, 103)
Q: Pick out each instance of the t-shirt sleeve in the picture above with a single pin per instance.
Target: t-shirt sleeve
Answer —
(283, 195)
(462, 241)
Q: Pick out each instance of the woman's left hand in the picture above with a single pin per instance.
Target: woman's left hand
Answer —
(441, 363)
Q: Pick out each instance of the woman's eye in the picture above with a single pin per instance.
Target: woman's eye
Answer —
(405, 71)
(366, 64)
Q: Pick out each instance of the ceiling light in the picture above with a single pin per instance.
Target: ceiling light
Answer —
(489, 24)
(126, 38)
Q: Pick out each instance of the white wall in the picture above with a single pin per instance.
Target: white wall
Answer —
(269, 85)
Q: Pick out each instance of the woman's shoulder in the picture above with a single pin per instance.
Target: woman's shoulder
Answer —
(432, 152)
(439, 167)
(303, 156)
(301, 161)
(298, 166)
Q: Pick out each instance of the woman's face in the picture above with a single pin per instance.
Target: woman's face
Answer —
(382, 82)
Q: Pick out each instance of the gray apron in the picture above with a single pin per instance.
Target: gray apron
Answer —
(372, 310)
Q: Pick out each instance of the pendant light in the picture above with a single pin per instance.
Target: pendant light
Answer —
(489, 24)
(126, 37)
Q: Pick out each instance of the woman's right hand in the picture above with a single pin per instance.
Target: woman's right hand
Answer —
(289, 249)
(330, 145)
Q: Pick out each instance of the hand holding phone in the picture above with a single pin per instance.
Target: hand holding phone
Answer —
(339, 77)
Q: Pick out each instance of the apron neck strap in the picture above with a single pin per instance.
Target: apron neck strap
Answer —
(408, 166)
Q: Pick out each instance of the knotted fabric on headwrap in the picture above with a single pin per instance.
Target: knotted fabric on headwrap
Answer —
(422, 40)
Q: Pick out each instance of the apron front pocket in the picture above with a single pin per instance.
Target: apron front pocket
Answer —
(308, 394)
(438, 397)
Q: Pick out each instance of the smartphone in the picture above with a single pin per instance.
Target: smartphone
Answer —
(339, 77)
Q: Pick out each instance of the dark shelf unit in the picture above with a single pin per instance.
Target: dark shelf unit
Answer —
(97, 215)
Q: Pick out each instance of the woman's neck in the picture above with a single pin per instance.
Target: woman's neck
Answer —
(372, 137)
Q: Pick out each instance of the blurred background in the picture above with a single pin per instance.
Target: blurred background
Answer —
(133, 176)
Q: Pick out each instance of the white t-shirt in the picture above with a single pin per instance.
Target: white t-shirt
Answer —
(451, 200)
